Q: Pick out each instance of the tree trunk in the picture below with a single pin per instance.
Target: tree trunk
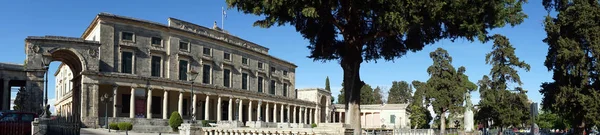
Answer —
(442, 124)
(352, 85)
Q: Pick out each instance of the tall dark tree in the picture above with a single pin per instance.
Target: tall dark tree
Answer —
(418, 114)
(340, 97)
(357, 31)
(377, 95)
(497, 102)
(574, 58)
(366, 95)
(399, 93)
(446, 86)
(327, 87)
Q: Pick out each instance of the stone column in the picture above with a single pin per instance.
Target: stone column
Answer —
(365, 118)
(206, 107)
(275, 113)
(281, 114)
(114, 104)
(258, 111)
(289, 118)
(239, 111)
(339, 117)
(294, 115)
(230, 110)
(165, 104)
(249, 110)
(219, 117)
(194, 104)
(304, 118)
(180, 104)
(149, 104)
(132, 103)
(6, 95)
(267, 113)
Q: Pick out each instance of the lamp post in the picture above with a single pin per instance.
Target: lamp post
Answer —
(192, 74)
(106, 99)
(46, 66)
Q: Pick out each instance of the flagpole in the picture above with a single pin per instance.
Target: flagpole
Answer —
(222, 18)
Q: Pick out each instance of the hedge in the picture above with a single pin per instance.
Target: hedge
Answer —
(125, 126)
(175, 121)
(113, 126)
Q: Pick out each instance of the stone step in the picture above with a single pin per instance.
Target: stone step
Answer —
(152, 129)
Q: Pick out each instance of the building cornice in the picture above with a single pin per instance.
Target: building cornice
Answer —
(101, 16)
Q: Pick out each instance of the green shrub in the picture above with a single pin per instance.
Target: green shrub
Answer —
(125, 126)
(175, 121)
(205, 123)
(313, 125)
(113, 126)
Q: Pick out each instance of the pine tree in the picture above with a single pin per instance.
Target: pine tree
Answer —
(356, 31)
(418, 114)
(573, 56)
(366, 95)
(377, 95)
(399, 93)
(446, 85)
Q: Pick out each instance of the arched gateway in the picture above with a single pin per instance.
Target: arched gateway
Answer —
(80, 55)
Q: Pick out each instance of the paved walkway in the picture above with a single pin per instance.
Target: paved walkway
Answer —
(91, 131)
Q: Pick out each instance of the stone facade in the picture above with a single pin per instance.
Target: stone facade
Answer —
(62, 89)
(145, 70)
(11, 75)
(389, 116)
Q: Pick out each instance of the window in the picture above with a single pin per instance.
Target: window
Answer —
(245, 81)
(272, 88)
(260, 84)
(226, 56)
(125, 98)
(245, 61)
(206, 74)
(156, 66)
(272, 69)
(127, 36)
(206, 51)
(260, 65)
(156, 41)
(285, 89)
(183, 69)
(285, 73)
(127, 62)
(392, 118)
(226, 77)
(184, 46)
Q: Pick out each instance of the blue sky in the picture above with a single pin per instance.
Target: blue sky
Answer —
(22, 18)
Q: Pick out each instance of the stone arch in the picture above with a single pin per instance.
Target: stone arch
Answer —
(80, 55)
(323, 108)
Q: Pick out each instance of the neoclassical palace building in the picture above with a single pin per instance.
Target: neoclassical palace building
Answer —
(147, 70)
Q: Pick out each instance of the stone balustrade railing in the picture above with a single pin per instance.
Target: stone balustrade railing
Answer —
(268, 131)
(189, 129)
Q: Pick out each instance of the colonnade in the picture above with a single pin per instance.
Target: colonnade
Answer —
(274, 111)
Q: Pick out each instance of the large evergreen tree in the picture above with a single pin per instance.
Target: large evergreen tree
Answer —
(355, 31)
(574, 58)
(399, 93)
(418, 114)
(446, 86)
(327, 87)
(366, 95)
(498, 103)
(377, 95)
